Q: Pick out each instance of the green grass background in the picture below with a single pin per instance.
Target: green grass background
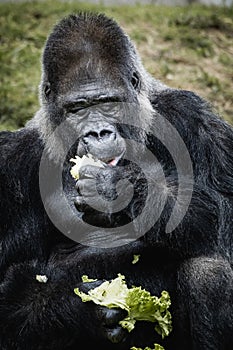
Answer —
(186, 47)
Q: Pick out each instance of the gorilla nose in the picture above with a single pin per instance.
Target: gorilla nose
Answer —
(105, 134)
(102, 141)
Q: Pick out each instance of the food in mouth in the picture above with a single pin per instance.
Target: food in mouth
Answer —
(87, 159)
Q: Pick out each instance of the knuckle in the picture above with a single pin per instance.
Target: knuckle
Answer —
(80, 203)
(116, 334)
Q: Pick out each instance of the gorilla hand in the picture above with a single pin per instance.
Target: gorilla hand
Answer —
(104, 322)
(107, 196)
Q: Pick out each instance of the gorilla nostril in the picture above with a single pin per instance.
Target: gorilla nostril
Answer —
(103, 134)
(92, 134)
(106, 133)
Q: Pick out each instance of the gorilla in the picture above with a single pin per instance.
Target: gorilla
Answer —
(161, 189)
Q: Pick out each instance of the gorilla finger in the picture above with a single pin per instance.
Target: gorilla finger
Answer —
(86, 187)
(86, 205)
(88, 171)
(111, 317)
(81, 205)
(116, 334)
(86, 286)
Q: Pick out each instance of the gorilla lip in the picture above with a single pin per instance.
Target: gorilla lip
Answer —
(113, 161)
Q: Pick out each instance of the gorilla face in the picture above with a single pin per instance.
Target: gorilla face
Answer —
(94, 85)
(95, 116)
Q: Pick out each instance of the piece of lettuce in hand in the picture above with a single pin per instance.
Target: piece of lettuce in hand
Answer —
(111, 294)
(139, 304)
(156, 347)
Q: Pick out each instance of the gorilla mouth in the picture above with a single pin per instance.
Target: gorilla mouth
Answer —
(90, 159)
(113, 161)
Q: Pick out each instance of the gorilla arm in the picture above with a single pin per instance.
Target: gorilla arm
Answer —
(50, 314)
(40, 315)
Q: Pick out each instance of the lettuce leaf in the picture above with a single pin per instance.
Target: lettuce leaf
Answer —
(111, 294)
(135, 259)
(156, 347)
(85, 279)
(87, 159)
(139, 304)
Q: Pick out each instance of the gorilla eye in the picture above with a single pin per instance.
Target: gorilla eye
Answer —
(47, 90)
(77, 110)
(135, 81)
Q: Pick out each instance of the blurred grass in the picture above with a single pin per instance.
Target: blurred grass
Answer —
(186, 47)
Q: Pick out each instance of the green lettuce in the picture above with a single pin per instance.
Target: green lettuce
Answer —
(85, 278)
(135, 259)
(111, 294)
(156, 347)
(139, 304)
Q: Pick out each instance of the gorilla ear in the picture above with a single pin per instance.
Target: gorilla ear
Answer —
(47, 90)
(135, 81)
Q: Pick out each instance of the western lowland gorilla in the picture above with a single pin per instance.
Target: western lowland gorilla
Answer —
(161, 189)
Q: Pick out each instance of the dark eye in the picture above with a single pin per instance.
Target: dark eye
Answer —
(47, 90)
(79, 111)
(135, 81)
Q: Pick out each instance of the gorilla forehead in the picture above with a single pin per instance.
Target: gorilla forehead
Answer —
(87, 41)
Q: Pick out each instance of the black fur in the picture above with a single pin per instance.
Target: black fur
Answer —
(193, 262)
